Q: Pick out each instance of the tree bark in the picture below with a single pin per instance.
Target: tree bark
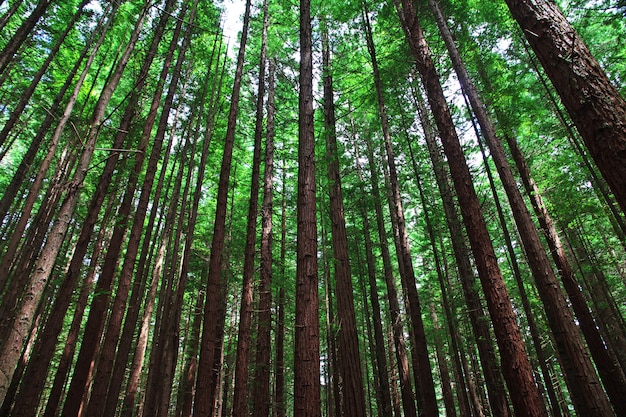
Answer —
(240, 394)
(211, 334)
(595, 106)
(45, 263)
(307, 337)
(21, 34)
(406, 390)
(261, 393)
(516, 367)
(350, 364)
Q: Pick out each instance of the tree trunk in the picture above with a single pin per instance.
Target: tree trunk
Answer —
(240, 394)
(383, 393)
(350, 365)
(27, 94)
(595, 106)
(478, 318)
(427, 400)
(279, 361)
(21, 34)
(211, 334)
(306, 354)
(406, 391)
(516, 367)
(586, 391)
(261, 392)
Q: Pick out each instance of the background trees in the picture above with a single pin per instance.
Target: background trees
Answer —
(130, 134)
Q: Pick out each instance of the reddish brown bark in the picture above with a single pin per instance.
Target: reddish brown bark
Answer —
(350, 364)
(211, 333)
(516, 367)
(307, 336)
(595, 106)
(261, 394)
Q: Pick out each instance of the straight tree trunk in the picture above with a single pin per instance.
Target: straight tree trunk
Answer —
(211, 334)
(8, 260)
(534, 332)
(261, 393)
(516, 367)
(406, 390)
(27, 94)
(595, 106)
(307, 339)
(45, 350)
(350, 364)
(478, 318)
(610, 372)
(240, 394)
(383, 393)
(279, 369)
(425, 387)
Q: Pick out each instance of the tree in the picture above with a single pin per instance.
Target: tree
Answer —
(307, 336)
(593, 103)
(350, 361)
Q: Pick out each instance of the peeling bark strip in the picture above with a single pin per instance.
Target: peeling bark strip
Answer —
(595, 106)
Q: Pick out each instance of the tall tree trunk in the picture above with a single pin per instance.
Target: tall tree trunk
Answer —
(45, 350)
(211, 334)
(307, 342)
(261, 392)
(383, 393)
(610, 372)
(427, 400)
(240, 394)
(26, 162)
(185, 406)
(478, 318)
(593, 103)
(9, 256)
(350, 365)
(534, 332)
(406, 390)
(27, 94)
(516, 367)
(279, 359)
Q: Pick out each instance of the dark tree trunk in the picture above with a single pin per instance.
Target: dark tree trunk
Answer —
(516, 367)
(307, 354)
(27, 94)
(261, 393)
(586, 391)
(383, 393)
(406, 390)
(478, 318)
(43, 268)
(350, 364)
(240, 393)
(610, 372)
(211, 334)
(427, 400)
(279, 359)
(595, 106)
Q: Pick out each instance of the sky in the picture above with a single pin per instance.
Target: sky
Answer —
(233, 14)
